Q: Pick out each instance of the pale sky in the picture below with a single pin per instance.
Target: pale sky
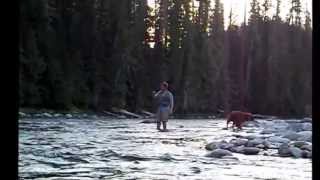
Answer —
(238, 7)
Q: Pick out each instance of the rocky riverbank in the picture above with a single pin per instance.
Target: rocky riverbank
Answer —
(283, 138)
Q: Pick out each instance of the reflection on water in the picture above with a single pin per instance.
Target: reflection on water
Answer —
(127, 149)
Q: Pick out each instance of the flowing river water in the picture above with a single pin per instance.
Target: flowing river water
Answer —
(127, 149)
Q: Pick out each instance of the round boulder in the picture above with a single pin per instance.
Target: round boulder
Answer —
(284, 150)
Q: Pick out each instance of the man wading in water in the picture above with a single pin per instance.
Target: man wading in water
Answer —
(164, 100)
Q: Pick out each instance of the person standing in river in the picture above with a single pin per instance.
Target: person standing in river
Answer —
(164, 100)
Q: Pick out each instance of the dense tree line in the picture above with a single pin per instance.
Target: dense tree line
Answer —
(99, 54)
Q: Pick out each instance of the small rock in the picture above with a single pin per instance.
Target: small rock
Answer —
(266, 144)
(195, 170)
(265, 154)
(260, 146)
(251, 150)
(68, 115)
(255, 142)
(239, 142)
(225, 146)
(306, 147)
(284, 151)
(57, 115)
(296, 152)
(212, 146)
(307, 126)
(22, 114)
(218, 153)
(237, 149)
(277, 139)
(47, 115)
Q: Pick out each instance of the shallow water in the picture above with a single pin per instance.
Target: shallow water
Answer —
(127, 149)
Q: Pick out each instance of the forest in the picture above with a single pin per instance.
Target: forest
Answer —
(99, 54)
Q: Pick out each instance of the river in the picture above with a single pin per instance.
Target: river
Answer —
(127, 149)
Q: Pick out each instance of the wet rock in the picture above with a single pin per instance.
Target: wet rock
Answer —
(251, 150)
(181, 126)
(255, 142)
(307, 147)
(211, 146)
(57, 115)
(266, 144)
(293, 136)
(306, 154)
(305, 136)
(47, 115)
(226, 146)
(239, 142)
(276, 139)
(299, 144)
(284, 150)
(219, 153)
(237, 149)
(260, 146)
(296, 152)
(68, 115)
(307, 126)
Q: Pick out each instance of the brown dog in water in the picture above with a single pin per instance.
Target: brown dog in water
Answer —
(238, 118)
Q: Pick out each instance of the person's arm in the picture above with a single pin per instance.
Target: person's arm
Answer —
(156, 94)
(171, 103)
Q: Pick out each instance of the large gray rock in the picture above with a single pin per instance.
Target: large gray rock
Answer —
(223, 145)
(307, 126)
(219, 153)
(305, 136)
(284, 150)
(276, 139)
(212, 146)
(251, 150)
(296, 152)
(68, 115)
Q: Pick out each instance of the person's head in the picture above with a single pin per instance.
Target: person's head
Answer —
(164, 85)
